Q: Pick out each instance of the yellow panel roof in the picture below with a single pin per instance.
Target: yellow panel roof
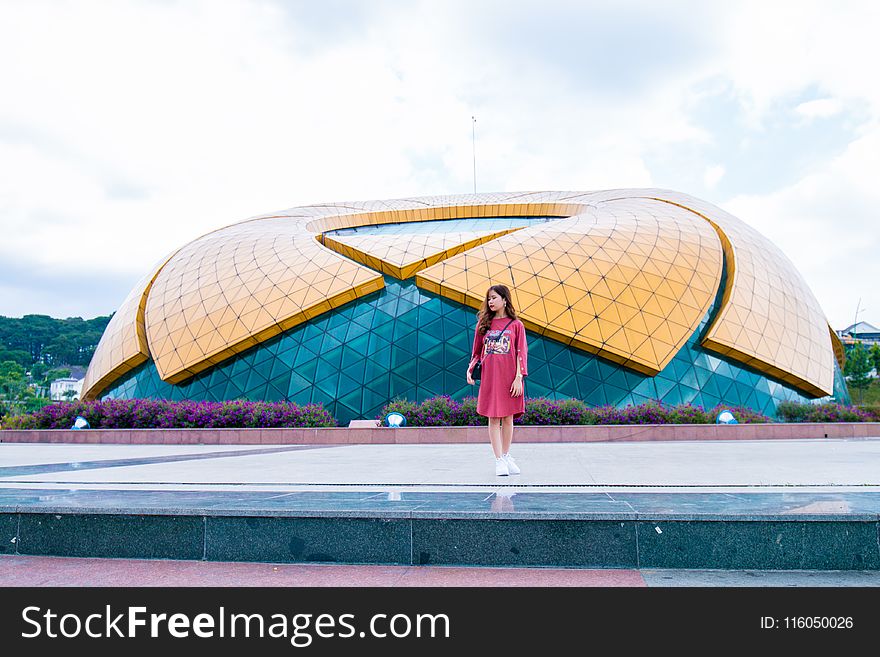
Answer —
(123, 346)
(770, 319)
(249, 282)
(591, 279)
(402, 255)
(627, 274)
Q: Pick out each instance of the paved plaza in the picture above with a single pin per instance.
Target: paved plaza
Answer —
(648, 482)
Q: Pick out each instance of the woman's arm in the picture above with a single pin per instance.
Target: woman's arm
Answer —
(516, 388)
(475, 354)
(477, 349)
(522, 350)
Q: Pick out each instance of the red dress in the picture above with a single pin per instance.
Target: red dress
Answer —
(499, 367)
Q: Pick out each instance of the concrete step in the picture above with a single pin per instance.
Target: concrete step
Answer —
(761, 530)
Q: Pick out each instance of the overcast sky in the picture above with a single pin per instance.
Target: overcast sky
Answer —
(129, 128)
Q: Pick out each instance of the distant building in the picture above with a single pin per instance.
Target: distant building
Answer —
(77, 371)
(59, 387)
(862, 332)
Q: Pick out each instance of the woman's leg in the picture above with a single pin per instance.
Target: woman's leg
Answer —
(495, 435)
(506, 433)
(506, 440)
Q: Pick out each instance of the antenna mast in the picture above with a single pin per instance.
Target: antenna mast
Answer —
(474, 147)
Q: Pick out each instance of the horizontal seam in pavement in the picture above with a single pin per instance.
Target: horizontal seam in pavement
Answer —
(428, 484)
(431, 514)
(46, 468)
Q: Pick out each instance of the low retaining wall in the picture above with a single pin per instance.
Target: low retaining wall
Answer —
(447, 435)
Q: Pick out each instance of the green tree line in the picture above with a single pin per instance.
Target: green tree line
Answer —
(35, 350)
(51, 342)
(860, 361)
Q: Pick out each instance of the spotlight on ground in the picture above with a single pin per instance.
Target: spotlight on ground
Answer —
(395, 420)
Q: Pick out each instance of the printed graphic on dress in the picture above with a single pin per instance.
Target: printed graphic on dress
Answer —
(497, 343)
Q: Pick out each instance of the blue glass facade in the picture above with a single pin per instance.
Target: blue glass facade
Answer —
(405, 342)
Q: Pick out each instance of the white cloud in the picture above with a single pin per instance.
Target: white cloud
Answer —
(776, 54)
(129, 128)
(713, 175)
(827, 224)
(776, 50)
(821, 108)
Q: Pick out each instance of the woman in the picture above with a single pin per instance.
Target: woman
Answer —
(500, 344)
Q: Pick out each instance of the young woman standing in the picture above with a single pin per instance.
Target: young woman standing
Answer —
(500, 346)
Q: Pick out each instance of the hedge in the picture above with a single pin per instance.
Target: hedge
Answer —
(163, 414)
(445, 411)
(433, 412)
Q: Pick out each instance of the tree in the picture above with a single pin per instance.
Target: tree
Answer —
(15, 394)
(858, 368)
(20, 356)
(11, 375)
(34, 351)
(56, 373)
(43, 339)
(62, 349)
(38, 371)
(875, 357)
(33, 333)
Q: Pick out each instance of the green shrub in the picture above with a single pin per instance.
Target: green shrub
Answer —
(445, 411)
(163, 414)
(795, 412)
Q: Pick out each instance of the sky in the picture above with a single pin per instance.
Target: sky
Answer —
(129, 128)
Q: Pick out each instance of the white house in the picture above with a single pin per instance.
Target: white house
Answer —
(59, 387)
(862, 332)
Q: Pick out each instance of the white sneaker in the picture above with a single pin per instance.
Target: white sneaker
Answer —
(512, 467)
(501, 468)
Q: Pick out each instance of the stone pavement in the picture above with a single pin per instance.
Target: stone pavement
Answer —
(68, 571)
(822, 465)
(795, 489)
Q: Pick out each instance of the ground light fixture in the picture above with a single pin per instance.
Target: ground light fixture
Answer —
(395, 420)
(726, 417)
(80, 423)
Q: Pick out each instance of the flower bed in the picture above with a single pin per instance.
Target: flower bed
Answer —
(445, 411)
(162, 414)
(434, 412)
(794, 412)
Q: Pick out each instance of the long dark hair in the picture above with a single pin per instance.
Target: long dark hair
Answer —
(485, 316)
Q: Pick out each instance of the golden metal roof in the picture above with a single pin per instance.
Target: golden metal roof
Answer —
(839, 351)
(626, 274)
(123, 345)
(769, 318)
(626, 279)
(241, 285)
(402, 256)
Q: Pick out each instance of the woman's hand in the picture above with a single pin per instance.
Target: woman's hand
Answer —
(516, 388)
(469, 379)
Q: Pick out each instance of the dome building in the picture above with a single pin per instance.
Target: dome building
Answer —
(627, 295)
